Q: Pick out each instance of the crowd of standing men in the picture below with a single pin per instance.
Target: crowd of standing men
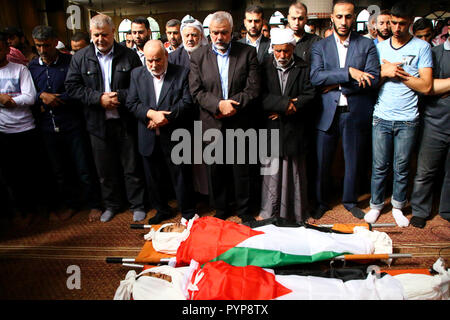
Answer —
(103, 118)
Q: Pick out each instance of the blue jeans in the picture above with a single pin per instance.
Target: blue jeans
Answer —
(392, 144)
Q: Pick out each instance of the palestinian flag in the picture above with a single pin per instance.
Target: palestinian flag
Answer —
(268, 246)
(221, 281)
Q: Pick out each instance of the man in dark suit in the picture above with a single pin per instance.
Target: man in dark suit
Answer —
(99, 77)
(193, 39)
(253, 22)
(159, 98)
(346, 68)
(224, 81)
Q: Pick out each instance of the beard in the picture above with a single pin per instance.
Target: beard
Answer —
(254, 32)
(283, 63)
(192, 49)
(141, 43)
(346, 33)
(384, 36)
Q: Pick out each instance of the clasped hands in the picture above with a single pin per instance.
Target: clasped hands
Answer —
(226, 109)
(7, 101)
(291, 109)
(363, 79)
(109, 100)
(51, 99)
(157, 119)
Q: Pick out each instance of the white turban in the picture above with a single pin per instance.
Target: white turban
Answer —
(197, 25)
(282, 36)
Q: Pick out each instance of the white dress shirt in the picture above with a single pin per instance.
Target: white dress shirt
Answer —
(140, 54)
(254, 44)
(342, 49)
(157, 85)
(105, 61)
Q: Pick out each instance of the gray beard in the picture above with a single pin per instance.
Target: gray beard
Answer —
(190, 50)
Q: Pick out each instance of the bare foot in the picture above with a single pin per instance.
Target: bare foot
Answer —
(94, 215)
(259, 218)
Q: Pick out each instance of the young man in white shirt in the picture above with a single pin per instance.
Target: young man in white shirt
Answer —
(18, 138)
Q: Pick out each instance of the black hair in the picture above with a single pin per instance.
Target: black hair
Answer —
(43, 33)
(422, 24)
(403, 9)
(255, 9)
(80, 35)
(173, 23)
(335, 2)
(142, 20)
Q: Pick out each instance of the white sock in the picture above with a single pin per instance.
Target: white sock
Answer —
(372, 215)
(138, 215)
(106, 216)
(400, 219)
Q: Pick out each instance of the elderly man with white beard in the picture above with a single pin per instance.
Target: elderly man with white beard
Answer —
(287, 94)
(193, 38)
(160, 100)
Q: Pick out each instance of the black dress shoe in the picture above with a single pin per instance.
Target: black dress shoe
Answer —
(318, 213)
(158, 218)
(357, 212)
(247, 218)
(418, 222)
(222, 215)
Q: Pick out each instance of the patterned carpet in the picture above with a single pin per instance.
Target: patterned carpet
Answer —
(35, 259)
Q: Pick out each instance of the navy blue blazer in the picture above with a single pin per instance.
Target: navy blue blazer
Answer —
(174, 97)
(325, 70)
(180, 57)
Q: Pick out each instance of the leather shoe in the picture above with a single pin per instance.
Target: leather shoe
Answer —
(318, 212)
(247, 218)
(158, 218)
(357, 212)
(418, 222)
(223, 215)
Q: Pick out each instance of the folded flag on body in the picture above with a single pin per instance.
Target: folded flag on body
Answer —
(221, 281)
(209, 239)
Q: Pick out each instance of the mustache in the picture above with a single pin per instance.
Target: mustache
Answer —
(221, 43)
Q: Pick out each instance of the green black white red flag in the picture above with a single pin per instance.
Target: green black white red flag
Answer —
(211, 239)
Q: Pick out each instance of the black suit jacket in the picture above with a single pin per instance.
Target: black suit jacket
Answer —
(263, 50)
(303, 47)
(174, 97)
(243, 85)
(180, 57)
(291, 127)
(84, 82)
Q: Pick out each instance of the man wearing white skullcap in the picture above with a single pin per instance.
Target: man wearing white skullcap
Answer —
(287, 93)
(193, 38)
